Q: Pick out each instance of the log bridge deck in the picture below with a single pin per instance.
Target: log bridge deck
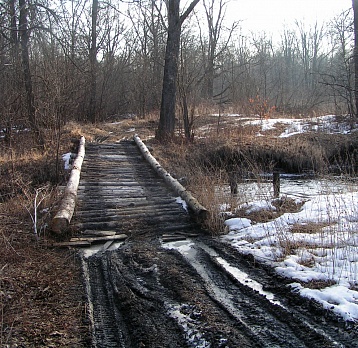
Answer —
(120, 195)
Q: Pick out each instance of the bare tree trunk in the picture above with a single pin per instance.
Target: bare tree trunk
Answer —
(167, 110)
(30, 98)
(11, 81)
(187, 123)
(14, 38)
(355, 11)
(214, 33)
(93, 64)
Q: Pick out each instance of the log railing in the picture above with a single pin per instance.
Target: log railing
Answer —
(62, 219)
(174, 184)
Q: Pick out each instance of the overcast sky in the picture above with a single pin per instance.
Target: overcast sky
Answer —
(272, 15)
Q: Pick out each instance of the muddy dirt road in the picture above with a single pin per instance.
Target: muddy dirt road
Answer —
(202, 295)
(197, 292)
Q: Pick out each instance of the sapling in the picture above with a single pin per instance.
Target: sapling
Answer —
(40, 195)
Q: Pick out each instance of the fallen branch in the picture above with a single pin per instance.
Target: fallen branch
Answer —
(62, 219)
(192, 203)
(121, 236)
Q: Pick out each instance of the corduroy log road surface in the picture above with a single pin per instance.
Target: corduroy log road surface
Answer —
(197, 292)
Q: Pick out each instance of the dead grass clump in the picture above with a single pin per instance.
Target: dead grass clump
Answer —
(283, 205)
(318, 284)
(205, 193)
(310, 228)
(307, 262)
(287, 205)
(290, 246)
(353, 286)
(260, 216)
(29, 173)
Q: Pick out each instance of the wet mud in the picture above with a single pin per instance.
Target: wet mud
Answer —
(145, 294)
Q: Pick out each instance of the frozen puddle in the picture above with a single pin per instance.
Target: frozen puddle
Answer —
(244, 279)
(189, 250)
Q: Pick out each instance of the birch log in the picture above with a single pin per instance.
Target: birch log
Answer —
(174, 184)
(64, 215)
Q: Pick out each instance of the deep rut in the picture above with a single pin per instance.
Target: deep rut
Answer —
(192, 293)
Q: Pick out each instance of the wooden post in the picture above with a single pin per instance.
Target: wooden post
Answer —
(276, 184)
(64, 215)
(233, 182)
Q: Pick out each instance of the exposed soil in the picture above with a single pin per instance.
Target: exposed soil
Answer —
(41, 297)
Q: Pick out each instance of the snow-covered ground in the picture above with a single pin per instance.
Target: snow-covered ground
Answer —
(317, 244)
(327, 124)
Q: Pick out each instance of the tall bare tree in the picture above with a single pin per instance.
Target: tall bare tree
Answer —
(167, 110)
(215, 11)
(355, 22)
(30, 98)
(148, 39)
(93, 64)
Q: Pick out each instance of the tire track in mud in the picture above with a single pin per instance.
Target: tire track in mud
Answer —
(192, 293)
(256, 309)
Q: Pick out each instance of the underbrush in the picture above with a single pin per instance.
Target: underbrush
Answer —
(40, 301)
(297, 154)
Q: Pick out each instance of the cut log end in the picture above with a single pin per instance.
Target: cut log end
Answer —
(59, 225)
(202, 214)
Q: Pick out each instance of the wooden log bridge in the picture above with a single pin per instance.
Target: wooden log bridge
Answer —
(124, 192)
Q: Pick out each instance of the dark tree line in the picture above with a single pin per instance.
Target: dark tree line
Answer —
(96, 60)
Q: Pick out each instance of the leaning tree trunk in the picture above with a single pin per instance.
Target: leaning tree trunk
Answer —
(30, 99)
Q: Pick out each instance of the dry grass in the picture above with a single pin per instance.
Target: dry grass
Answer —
(310, 228)
(40, 289)
(318, 284)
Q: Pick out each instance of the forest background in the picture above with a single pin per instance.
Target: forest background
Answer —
(99, 60)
